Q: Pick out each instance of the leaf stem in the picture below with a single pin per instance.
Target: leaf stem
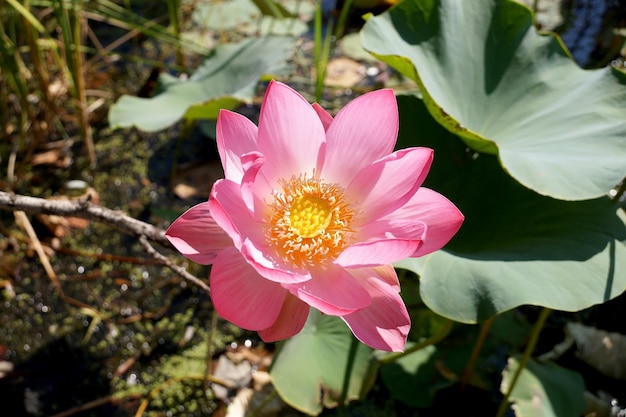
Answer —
(620, 191)
(530, 347)
(482, 336)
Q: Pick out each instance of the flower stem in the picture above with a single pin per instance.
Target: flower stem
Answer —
(530, 347)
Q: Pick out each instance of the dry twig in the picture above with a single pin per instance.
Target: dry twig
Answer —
(83, 208)
(167, 262)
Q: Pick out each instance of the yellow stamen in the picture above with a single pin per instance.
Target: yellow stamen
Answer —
(309, 215)
(309, 222)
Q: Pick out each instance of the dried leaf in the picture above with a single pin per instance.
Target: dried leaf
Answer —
(256, 401)
(605, 351)
(344, 72)
(197, 180)
(61, 226)
(56, 153)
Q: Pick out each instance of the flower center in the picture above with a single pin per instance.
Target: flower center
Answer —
(309, 222)
(310, 215)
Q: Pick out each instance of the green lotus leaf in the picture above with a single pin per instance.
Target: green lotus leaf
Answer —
(253, 16)
(515, 246)
(223, 15)
(489, 77)
(403, 377)
(224, 80)
(544, 390)
(310, 369)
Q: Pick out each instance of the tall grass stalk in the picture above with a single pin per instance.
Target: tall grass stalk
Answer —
(23, 9)
(72, 36)
(321, 52)
(343, 18)
(38, 65)
(14, 76)
(325, 45)
(125, 18)
(173, 7)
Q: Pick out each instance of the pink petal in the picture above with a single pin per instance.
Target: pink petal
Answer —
(383, 242)
(241, 295)
(236, 135)
(377, 253)
(325, 117)
(231, 213)
(251, 186)
(196, 235)
(291, 134)
(272, 269)
(441, 217)
(332, 291)
(387, 184)
(387, 273)
(363, 131)
(385, 323)
(256, 190)
(290, 320)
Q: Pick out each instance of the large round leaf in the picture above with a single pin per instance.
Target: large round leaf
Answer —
(488, 76)
(224, 80)
(516, 246)
(310, 369)
(544, 390)
(252, 17)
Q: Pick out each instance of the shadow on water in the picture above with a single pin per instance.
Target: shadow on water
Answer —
(56, 377)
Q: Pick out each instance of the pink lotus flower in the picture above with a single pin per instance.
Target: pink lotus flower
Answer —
(312, 212)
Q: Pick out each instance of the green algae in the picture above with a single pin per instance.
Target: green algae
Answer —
(122, 318)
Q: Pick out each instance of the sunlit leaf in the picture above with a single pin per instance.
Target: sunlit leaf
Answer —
(272, 8)
(489, 77)
(515, 247)
(255, 16)
(222, 15)
(268, 25)
(310, 369)
(350, 45)
(544, 390)
(224, 80)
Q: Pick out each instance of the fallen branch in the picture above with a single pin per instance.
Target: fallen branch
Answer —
(83, 208)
